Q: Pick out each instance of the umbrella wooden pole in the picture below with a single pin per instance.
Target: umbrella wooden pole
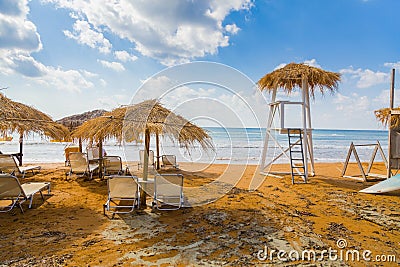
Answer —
(158, 151)
(19, 157)
(80, 144)
(145, 167)
(100, 158)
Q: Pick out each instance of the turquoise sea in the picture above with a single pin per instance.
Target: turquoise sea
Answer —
(232, 145)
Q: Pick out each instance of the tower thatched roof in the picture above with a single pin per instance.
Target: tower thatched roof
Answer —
(290, 76)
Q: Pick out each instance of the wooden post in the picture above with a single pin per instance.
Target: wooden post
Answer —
(100, 158)
(267, 132)
(21, 139)
(309, 136)
(145, 168)
(389, 169)
(304, 87)
(80, 144)
(158, 151)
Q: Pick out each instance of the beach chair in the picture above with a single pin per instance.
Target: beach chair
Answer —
(68, 150)
(12, 190)
(168, 191)
(169, 161)
(92, 154)
(123, 194)
(80, 164)
(9, 165)
(151, 159)
(112, 165)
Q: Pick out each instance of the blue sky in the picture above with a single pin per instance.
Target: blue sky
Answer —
(66, 57)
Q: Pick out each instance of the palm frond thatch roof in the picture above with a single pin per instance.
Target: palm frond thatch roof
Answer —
(21, 118)
(130, 122)
(290, 76)
(383, 116)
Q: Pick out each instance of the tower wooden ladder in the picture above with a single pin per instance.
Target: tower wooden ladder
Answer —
(297, 165)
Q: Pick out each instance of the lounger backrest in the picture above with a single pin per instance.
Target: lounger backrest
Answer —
(10, 187)
(78, 161)
(122, 186)
(70, 149)
(89, 151)
(169, 160)
(168, 184)
(151, 157)
(7, 164)
(113, 164)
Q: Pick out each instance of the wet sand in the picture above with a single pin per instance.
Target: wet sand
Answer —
(250, 213)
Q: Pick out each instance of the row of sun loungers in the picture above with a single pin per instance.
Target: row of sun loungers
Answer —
(166, 189)
(123, 192)
(80, 163)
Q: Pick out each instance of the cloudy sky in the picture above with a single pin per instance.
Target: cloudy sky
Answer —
(69, 56)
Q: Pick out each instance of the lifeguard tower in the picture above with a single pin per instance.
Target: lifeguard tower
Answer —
(297, 147)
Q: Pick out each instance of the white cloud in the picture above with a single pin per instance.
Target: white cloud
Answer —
(172, 31)
(116, 66)
(232, 28)
(84, 34)
(366, 78)
(395, 65)
(312, 63)
(112, 102)
(383, 99)
(18, 39)
(13, 7)
(124, 56)
(34, 71)
(69, 80)
(17, 32)
(351, 104)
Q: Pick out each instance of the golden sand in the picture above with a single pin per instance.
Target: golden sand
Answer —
(69, 228)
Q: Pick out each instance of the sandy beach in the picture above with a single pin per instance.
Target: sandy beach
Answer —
(69, 228)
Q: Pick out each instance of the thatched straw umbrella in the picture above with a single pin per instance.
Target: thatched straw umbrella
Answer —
(17, 117)
(290, 76)
(384, 114)
(146, 118)
(150, 117)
